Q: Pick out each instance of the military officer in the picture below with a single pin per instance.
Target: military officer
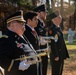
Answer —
(58, 48)
(41, 31)
(14, 46)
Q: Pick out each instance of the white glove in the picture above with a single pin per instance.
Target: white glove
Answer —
(42, 41)
(23, 66)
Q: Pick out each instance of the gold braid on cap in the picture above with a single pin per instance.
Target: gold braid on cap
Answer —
(19, 18)
(13, 18)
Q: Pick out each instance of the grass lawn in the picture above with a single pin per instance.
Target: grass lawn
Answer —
(70, 46)
(70, 64)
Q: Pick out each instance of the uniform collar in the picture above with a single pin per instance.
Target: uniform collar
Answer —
(11, 33)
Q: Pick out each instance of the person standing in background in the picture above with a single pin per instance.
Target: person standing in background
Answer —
(41, 31)
(58, 48)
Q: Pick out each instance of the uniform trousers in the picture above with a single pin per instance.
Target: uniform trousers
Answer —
(44, 64)
(56, 66)
(44, 61)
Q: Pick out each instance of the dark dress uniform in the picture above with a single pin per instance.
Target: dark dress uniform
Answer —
(58, 49)
(33, 40)
(35, 43)
(41, 31)
(10, 51)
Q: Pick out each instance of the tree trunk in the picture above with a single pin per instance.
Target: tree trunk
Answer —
(69, 3)
(52, 4)
(47, 4)
(61, 8)
(34, 2)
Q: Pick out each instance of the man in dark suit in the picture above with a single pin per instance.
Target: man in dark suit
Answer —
(14, 46)
(41, 31)
(58, 48)
(31, 23)
(30, 33)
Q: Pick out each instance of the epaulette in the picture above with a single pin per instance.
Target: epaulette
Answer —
(5, 36)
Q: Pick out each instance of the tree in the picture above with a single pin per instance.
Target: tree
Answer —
(61, 8)
(48, 5)
(52, 4)
(34, 2)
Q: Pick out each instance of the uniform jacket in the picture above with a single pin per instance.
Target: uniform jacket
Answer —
(41, 31)
(58, 49)
(33, 40)
(9, 51)
(35, 43)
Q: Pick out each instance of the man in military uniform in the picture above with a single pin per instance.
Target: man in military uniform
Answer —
(14, 46)
(30, 33)
(31, 23)
(58, 48)
(41, 31)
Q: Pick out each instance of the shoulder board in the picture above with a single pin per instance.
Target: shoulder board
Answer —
(5, 36)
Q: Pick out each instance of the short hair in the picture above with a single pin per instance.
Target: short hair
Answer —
(29, 15)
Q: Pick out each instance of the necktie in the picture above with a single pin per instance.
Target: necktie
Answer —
(34, 33)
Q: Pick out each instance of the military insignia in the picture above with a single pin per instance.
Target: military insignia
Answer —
(15, 35)
(19, 45)
(5, 36)
(40, 29)
(50, 31)
(56, 37)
